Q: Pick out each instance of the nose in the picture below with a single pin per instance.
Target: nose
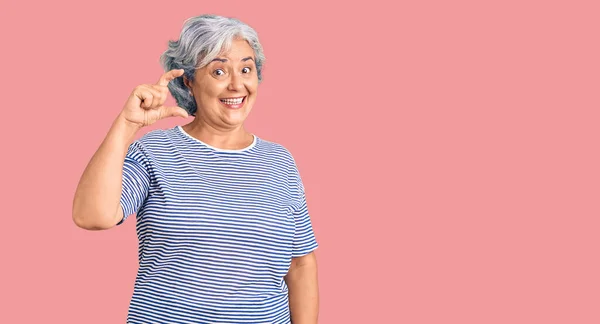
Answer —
(235, 82)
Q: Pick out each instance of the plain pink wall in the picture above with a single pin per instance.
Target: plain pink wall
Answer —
(449, 151)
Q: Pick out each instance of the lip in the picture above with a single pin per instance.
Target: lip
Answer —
(234, 107)
(233, 97)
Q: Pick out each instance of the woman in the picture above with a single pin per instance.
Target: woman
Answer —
(222, 222)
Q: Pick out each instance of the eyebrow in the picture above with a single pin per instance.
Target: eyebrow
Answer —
(225, 60)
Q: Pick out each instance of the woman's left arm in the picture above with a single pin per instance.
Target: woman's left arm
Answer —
(303, 289)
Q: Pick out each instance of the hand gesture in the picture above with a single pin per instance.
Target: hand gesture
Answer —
(144, 106)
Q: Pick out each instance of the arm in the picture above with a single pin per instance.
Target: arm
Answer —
(302, 283)
(96, 203)
(97, 199)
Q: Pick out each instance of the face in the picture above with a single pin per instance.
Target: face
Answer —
(226, 88)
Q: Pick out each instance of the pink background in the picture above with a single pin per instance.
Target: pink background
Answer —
(449, 151)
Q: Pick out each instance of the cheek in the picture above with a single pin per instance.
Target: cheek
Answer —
(209, 95)
(252, 86)
(211, 88)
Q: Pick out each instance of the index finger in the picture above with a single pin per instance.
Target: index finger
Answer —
(167, 77)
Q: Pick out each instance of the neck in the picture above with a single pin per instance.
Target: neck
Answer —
(228, 139)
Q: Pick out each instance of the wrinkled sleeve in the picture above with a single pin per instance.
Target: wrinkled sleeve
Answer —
(304, 236)
(135, 180)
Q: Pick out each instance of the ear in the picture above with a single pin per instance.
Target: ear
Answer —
(187, 82)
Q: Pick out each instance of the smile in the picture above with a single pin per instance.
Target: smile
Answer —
(233, 103)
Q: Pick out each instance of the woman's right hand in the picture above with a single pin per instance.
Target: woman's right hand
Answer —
(144, 106)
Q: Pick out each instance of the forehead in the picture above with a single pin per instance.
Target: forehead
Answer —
(239, 49)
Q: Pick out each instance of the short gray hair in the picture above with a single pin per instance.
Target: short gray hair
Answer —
(202, 38)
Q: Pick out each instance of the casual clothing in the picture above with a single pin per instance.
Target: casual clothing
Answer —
(217, 229)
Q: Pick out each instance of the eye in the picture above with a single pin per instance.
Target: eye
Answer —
(219, 72)
(246, 70)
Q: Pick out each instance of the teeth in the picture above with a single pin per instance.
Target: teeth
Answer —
(232, 101)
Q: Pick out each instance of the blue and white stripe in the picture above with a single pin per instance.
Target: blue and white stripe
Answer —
(217, 229)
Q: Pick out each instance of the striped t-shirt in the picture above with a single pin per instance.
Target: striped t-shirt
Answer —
(217, 229)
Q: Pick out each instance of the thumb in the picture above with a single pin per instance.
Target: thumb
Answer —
(174, 112)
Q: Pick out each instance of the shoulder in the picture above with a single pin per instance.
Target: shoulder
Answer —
(156, 139)
(277, 150)
(150, 144)
(154, 136)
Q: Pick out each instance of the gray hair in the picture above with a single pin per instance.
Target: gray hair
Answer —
(202, 38)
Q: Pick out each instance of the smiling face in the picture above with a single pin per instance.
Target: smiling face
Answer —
(226, 88)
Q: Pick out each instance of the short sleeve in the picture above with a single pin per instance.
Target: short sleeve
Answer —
(304, 236)
(135, 180)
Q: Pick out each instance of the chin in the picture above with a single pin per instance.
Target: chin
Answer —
(234, 118)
